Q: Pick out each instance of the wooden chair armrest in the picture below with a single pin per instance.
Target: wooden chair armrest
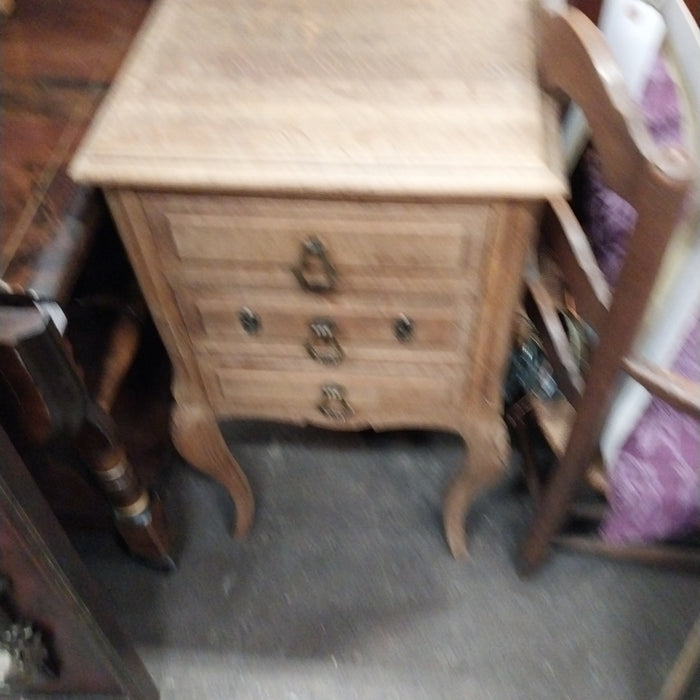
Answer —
(676, 390)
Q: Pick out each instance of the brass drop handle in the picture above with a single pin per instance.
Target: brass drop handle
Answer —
(333, 404)
(315, 273)
(323, 346)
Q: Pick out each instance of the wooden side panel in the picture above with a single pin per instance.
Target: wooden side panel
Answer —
(502, 288)
(143, 253)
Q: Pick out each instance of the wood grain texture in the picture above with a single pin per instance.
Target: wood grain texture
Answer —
(57, 62)
(372, 96)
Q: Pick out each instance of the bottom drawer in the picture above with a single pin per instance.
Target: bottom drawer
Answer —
(331, 397)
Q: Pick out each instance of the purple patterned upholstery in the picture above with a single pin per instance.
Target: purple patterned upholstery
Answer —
(655, 483)
(607, 218)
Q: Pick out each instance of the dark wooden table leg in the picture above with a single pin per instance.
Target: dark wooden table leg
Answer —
(138, 515)
(54, 404)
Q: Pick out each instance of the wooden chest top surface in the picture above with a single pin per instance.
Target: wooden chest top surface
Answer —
(406, 97)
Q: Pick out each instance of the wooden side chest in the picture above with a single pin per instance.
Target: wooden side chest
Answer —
(328, 206)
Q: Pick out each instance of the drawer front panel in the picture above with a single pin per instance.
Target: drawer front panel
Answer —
(260, 392)
(262, 322)
(357, 238)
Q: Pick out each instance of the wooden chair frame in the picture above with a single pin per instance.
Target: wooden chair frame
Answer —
(575, 60)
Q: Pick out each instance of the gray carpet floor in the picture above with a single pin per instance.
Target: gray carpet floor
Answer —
(345, 588)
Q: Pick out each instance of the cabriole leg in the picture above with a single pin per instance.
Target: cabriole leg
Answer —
(484, 465)
(197, 437)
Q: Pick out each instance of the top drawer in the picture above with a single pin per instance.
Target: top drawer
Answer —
(264, 238)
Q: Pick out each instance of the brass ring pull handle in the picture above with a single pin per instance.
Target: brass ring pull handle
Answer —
(315, 273)
(323, 346)
(333, 404)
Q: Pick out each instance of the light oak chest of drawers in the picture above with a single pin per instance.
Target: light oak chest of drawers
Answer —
(328, 207)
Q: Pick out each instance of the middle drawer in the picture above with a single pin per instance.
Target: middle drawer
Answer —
(327, 330)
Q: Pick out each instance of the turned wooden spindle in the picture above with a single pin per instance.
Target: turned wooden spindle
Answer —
(37, 365)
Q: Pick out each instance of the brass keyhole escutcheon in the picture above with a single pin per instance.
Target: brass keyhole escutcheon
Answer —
(322, 345)
(403, 328)
(315, 272)
(334, 405)
(250, 321)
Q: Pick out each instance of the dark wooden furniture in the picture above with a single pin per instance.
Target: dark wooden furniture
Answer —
(575, 60)
(48, 229)
(57, 635)
(44, 403)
